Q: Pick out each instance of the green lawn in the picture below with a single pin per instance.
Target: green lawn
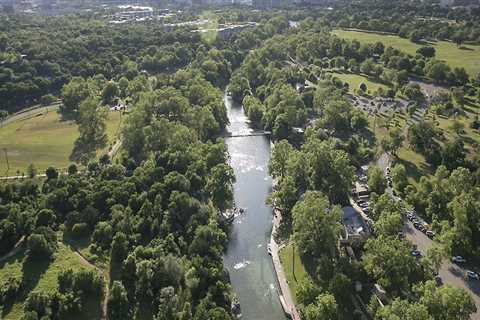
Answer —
(287, 258)
(468, 56)
(354, 81)
(41, 276)
(44, 140)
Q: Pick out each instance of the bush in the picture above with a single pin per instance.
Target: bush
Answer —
(80, 230)
(47, 99)
(39, 247)
(9, 290)
(81, 282)
(38, 302)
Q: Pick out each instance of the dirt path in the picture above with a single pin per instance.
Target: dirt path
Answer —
(85, 262)
(14, 251)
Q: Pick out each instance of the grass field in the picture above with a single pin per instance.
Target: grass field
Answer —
(287, 258)
(468, 56)
(38, 276)
(354, 81)
(43, 140)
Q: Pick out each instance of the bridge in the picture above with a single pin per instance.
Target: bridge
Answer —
(250, 134)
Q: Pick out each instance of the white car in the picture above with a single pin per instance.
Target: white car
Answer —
(472, 275)
(458, 259)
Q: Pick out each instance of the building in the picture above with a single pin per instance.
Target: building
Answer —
(356, 229)
(8, 6)
(262, 4)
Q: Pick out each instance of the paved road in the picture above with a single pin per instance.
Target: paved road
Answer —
(29, 113)
(450, 273)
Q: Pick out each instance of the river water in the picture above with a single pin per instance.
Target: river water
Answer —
(251, 269)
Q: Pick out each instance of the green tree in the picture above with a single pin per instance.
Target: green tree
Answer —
(403, 309)
(109, 92)
(325, 307)
(376, 180)
(277, 167)
(446, 302)
(92, 130)
(118, 304)
(219, 185)
(316, 225)
(74, 93)
(399, 177)
(389, 262)
(393, 141)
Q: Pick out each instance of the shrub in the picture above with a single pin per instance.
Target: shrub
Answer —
(80, 230)
(47, 99)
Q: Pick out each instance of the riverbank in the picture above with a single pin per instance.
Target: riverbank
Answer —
(285, 295)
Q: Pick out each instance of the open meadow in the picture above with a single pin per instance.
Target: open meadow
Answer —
(43, 139)
(466, 56)
(354, 81)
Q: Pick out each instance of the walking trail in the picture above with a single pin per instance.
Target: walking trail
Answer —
(286, 298)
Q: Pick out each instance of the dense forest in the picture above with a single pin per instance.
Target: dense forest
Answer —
(153, 214)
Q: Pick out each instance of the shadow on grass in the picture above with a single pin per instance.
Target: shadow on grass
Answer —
(412, 170)
(76, 243)
(32, 270)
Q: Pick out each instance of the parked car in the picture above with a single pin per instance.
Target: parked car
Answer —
(459, 259)
(430, 234)
(472, 275)
(438, 280)
(416, 253)
(416, 224)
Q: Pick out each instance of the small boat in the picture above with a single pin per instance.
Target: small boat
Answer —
(269, 250)
(242, 210)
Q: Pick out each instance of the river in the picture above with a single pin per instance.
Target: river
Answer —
(251, 269)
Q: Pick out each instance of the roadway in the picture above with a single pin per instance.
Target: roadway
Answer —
(450, 273)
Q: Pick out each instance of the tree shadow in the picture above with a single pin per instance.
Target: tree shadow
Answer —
(310, 265)
(115, 271)
(411, 169)
(465, 48)
(91, 309)
(76, 243)
(145, 311)
(32, 270)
